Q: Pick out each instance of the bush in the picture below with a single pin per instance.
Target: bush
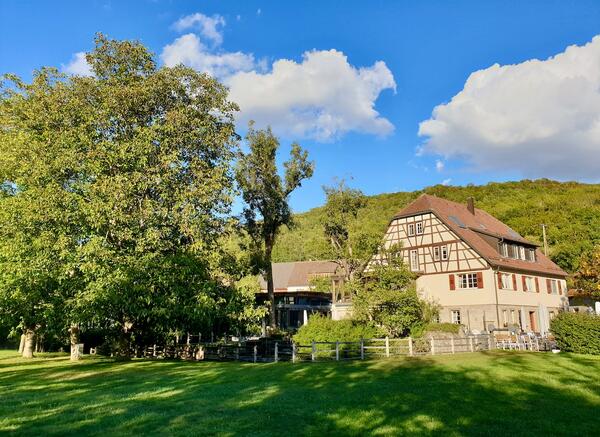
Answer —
(420, 330)
(577, 332)
(322, 328)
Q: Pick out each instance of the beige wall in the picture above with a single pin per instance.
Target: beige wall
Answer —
(478, 305)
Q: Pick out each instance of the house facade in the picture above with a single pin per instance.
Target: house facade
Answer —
(480, 272)
(296, 296)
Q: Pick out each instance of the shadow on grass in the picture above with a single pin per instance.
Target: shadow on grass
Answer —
(470, 394)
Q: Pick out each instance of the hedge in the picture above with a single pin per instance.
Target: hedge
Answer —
(322, 328)
(577, 332)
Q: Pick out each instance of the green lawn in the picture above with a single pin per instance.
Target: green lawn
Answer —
(500, 393)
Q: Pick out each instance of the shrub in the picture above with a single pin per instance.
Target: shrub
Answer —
(420, 330)
(577, 332)
(322, 328)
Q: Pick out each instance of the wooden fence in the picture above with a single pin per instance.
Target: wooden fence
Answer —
(373, 348)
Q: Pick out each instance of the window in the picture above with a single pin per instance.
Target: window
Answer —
(414, 260)
(513, 319)
(455, 316)
(468, 280)
(553, 286)
(528, 283)
(510, 250)
(530, 255)
(419, 228)
(444, 252)
(521, 252)
(503, 249)
(505, 318)
(507, 283)
(411, 229)
(436, 253)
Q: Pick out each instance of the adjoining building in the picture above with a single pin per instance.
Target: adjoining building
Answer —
(480, 272)
(296, 296)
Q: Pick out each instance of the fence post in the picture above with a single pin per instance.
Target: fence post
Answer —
(471, 343)
(255, 352)
(410, 346)
(387, 346)
(537, 343)
(490, 342)
(313, 351)
(293, 352)
(154, 351)
(452, 344)
(432, 346)
(337, 350)
(237, 353)
(276, 351)
(362, 349)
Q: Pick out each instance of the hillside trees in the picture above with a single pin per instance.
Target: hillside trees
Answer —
(351, 247)
(266, 196)
(116, 190)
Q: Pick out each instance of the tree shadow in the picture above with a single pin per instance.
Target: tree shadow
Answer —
(467, 394)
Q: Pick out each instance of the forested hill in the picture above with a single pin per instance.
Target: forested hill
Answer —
(570, 210)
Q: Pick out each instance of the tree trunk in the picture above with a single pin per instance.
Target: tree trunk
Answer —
(74, 336)
(22, 343)
(270, 285)
(29, 343)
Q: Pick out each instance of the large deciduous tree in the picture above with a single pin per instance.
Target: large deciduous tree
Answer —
(115, 190)
(587, 277)
(267, 196)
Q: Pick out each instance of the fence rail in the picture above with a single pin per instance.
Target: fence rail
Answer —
(373, 348)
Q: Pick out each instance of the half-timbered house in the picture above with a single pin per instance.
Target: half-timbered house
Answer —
(480, 272)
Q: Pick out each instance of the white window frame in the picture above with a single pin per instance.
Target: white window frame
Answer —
(512, 317)
(414, 260)
(436, 253)
(530, 283)
(455, 316)
(503, 249)
(420, 228)
(411, 229)
(554, 286)
(522, 252)
(467, 281)
(507, 282)
(445, 253)
(505, 318)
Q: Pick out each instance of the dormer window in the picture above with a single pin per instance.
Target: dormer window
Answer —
(419, 228)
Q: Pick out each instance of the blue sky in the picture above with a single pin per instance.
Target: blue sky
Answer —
(520, 119)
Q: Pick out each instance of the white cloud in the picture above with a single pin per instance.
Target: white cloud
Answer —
(209, 27)
(78, 65)
(190, 51)
(439, 165)
(446, 182)
(321, 97)
(541, 118)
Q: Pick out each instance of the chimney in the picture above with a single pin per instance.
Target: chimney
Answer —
(471, 205)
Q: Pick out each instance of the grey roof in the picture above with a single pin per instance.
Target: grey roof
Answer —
(297, 274)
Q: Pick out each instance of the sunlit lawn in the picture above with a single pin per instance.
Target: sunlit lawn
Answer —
(500, 393)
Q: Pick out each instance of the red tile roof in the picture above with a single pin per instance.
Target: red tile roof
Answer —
(470, 227)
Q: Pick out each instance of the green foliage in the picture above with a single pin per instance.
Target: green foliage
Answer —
(323, 328)
(571, 211)
(321, 284)
(587, 278)
(115, 190)
(387, 297)
(420, 330)
(577, 332)
(266, 195)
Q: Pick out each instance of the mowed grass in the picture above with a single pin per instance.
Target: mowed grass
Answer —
(496, 393)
